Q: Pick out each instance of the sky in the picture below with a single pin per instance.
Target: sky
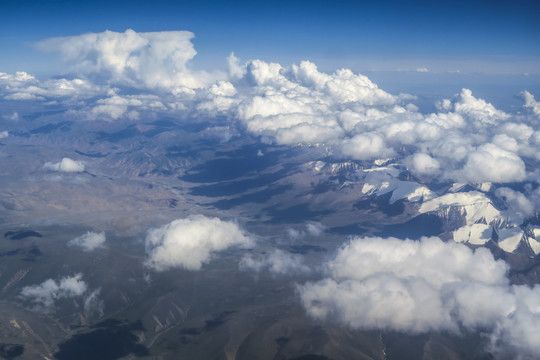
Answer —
(469, 36)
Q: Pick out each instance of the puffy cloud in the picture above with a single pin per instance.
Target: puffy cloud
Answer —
(89, 241)
(302, 105)
(23, 86)
(313, 228)
(419, 286)
(288, 105)
(422, 70)
(44, 295)
(478, 110)
(3, 134)
(189, 243)
(277, 262)
(519, 207)
(147, 59)
(65, 165)
(117, 106)
(531, 103)
(423, 165)
(366, 146)
(491, 163)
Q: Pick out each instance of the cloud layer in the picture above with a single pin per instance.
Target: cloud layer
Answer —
(403, 285)
(189, 243)
(466, 140)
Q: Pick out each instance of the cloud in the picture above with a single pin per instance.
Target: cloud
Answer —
(92, 302)
(288, 105)
(420, 286)
(491, 163)
(422, 70)
(366, 146)
(125, 106)
(313, 228)
(531, 103)
(277, 262)
(478, 110)
(65, 165)
(145, 59)
(422, 164)
(189, 243)
(89, 241)
(3, 134)
(519, 207)
(23, 86)
(44, 295)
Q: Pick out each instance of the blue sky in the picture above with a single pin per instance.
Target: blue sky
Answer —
(477, 36)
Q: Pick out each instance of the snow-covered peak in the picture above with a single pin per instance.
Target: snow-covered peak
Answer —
(475, 206)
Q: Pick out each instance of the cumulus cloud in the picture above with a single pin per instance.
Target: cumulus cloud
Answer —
(422, 164)
(312, 228)
(89, 241)
(531, 103)
(301, 105)
(478, 110)
(149, 59)
(467, 139)
(3, 134)
(23, 86)
(419, 286)
(366, 146)
(65, 165)
(519, 207)
(491, 163)
(277, 262)
(189, 243)
(44, 295)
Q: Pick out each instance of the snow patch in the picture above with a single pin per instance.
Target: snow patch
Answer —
(476, 234)
(509, 239)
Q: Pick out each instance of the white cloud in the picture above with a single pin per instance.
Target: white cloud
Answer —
(519, 207)
(531, 103)
(23, 86)
(116, 106)
(423, 165)
(491, 163)
(419, 286)
(315, 228)
(189, 243)
(467, 140)
(44, 295)
(146, 59)
(89, 241)
(366, 146)
(422, 70)
(478, 110)
(277, 262)
(3, 134)
(92, 302)
(65, 165)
